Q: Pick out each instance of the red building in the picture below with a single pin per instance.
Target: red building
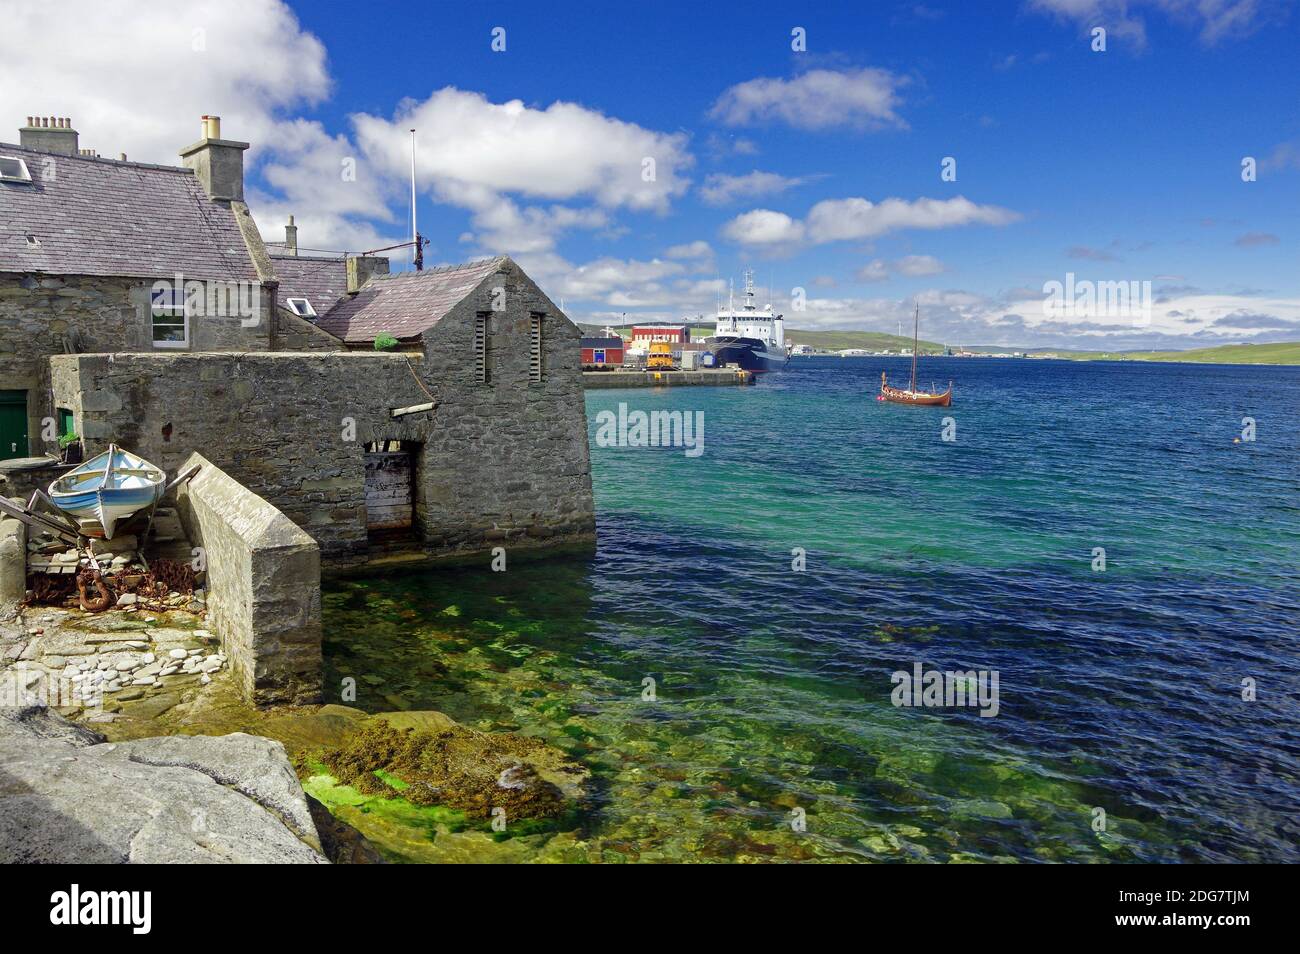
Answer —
(674, 334)
(602, 352)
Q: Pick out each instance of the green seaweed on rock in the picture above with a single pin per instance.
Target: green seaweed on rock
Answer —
(454, 767)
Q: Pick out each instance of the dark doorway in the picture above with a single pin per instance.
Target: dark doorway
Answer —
(390, 496)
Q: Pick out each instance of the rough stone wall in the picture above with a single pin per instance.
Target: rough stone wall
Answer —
(277, 422)
(502, 462)
(297, 334)
(506, 460)
(21, 481)
(13, 563)
(263, 586)
(41, 316)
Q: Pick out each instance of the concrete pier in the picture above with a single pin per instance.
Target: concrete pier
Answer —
(659, 379)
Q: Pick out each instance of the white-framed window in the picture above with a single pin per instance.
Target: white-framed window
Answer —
(13, 169)
(301, 307)
(169, 318)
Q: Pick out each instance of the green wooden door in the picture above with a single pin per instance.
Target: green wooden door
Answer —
(13, 424)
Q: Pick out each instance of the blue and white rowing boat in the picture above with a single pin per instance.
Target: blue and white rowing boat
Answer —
(109, 487)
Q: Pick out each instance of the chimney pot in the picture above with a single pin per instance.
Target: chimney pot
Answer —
(217, 164)
(361, 268)
(291, 237)
(49, 134)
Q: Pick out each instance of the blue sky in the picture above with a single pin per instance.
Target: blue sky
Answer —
(1122, 165)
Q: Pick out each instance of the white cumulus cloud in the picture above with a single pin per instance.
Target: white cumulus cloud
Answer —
(719, 188)
(835, 220)
(865, 98)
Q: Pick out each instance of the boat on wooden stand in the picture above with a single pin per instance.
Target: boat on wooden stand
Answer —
(108, 488)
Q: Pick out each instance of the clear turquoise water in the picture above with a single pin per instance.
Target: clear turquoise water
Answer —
(1119, 690)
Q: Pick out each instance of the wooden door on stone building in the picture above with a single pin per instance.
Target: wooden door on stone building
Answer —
(13, 424)
(389, 483)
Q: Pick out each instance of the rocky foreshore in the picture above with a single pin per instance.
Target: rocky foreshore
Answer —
(80, 661)
(142, 749)
(67, 796)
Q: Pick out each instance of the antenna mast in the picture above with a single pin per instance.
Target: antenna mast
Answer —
(417, 258)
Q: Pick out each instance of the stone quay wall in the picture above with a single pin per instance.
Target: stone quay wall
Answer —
(263, 586)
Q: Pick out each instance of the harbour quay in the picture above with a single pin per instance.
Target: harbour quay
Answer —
(593, 380)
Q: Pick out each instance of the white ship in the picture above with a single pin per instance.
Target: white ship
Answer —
(748, 336)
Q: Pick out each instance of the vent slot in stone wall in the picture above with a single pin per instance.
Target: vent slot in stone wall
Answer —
(534, 347)
(480, 349)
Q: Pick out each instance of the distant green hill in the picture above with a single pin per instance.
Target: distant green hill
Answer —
(1287, 352)
(870, 340)
(821, 340)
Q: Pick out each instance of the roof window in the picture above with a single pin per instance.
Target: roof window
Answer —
(302, 307)
(13, 169)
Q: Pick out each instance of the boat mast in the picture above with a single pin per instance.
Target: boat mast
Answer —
(916, 328)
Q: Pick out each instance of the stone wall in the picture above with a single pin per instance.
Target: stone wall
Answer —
(263, 586)
(13, 563)
(497, 461)
(46, 315)
(507, 460)
(18, 478)
(293, 333)
(290, 426)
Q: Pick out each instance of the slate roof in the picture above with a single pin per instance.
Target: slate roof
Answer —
(101, 217)
(405, 304)
(322, 281)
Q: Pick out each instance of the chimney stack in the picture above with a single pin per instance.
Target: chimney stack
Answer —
(218, 163)
(361, 268)
(49, 134)
(291, 237)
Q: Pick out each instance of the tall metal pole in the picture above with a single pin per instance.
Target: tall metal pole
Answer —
(415, 232)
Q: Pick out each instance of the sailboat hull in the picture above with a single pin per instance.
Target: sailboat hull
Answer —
(899, 396)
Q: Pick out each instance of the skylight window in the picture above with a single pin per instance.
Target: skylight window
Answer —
(13, 169)
(302, 307)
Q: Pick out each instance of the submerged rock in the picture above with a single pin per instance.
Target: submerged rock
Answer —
(342, 843)
(429, 759)
(66, 796)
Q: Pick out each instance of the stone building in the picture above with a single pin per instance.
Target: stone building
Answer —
(140, 305)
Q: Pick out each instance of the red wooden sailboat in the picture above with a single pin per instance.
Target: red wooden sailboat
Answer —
(912, 395)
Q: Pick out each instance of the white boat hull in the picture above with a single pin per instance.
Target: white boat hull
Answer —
(108, 489)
